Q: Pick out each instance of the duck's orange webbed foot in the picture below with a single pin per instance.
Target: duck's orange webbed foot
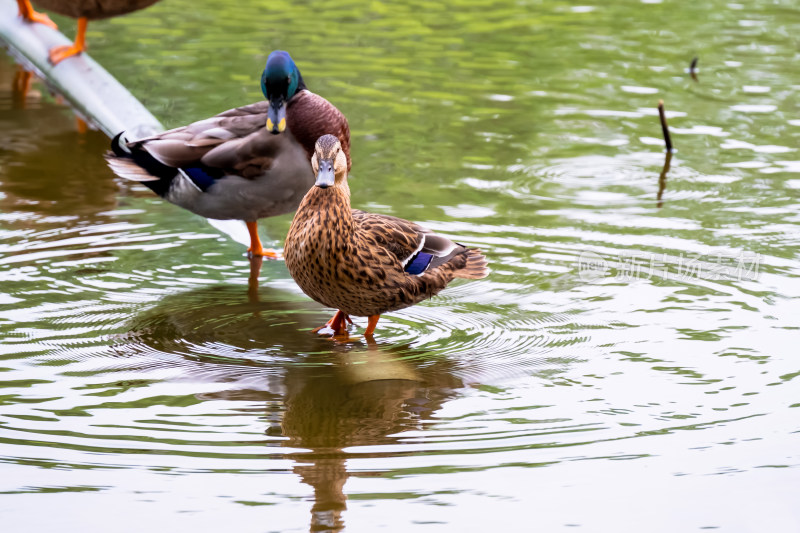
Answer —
(256, 250)
(336, 326)
(269, 253)
(60, 53)
(27, 12)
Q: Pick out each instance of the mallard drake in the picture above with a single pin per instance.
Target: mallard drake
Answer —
(84, 11)
(244, 164)
(366, 264)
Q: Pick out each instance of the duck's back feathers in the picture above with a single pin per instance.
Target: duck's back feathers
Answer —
(224, 167)
(216, 141)
(401, 238)
(230, 166)
(417, 248)
(236, 142)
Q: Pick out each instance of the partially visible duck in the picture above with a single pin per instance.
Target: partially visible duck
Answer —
(244, 164)
(361, 263)
(84, 11)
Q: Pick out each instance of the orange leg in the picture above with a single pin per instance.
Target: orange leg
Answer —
(60, 53)
(256, 250)
(27, 12)
(338, 324)
(371, 323)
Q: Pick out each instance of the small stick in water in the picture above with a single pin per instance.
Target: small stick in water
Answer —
(664, 127)
(693, 68)
(662, 179)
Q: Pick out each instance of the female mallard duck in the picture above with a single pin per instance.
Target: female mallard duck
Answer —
(84, 11)
(233, 167)
(361, 263)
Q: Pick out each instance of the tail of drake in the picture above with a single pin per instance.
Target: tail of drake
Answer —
(475, 265)
(139, 165)
(153, 162)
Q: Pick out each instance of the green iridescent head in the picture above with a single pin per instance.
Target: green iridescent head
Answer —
(280, 81)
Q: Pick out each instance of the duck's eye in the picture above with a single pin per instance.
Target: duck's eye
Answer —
(289, 80)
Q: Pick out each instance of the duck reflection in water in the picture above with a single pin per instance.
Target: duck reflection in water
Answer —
(313, 394)
(367, 397)
(46, 165)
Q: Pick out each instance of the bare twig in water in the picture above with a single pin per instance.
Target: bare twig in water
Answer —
(664, 127)
(662, 179)
(693, 69)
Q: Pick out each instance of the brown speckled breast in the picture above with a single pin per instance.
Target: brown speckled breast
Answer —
(93, 9)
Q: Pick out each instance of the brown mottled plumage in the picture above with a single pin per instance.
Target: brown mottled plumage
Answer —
(93, 9)
(84, 11)
(359, 263)
(231, 166)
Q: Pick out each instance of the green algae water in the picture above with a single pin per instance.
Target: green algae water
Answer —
(630, 364)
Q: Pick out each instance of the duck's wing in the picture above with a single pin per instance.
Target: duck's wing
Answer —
(233, 143)
(309, 116)
(221, 141)
(415, 247)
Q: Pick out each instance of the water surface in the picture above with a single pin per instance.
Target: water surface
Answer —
(629, 365)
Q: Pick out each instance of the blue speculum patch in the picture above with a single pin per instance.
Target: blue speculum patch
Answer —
(200, 177)
(419, 264)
